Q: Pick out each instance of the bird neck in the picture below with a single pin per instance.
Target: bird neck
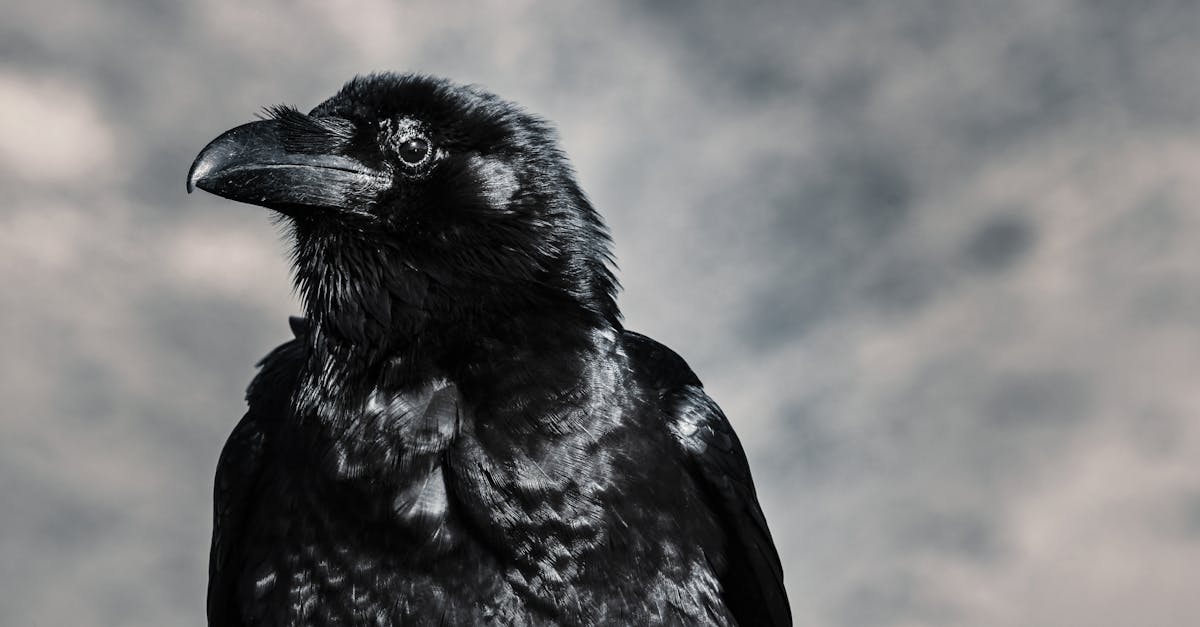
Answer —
(378, 323)
(516, 354)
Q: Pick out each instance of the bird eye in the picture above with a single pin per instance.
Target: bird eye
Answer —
(414, 150)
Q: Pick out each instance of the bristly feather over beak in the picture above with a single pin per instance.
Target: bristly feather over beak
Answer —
(287, 163)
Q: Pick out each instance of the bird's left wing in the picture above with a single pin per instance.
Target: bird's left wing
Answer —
(751, 574)
(754, 578)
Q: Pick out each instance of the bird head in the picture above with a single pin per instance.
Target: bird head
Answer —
(421, 207)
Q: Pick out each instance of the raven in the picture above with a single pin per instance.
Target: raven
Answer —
(461, 431)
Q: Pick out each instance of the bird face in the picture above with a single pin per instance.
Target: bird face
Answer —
(388, 152)
(407, 171)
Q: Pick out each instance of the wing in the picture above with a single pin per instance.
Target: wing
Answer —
(752, 578)
(240, 481)
(237, 484)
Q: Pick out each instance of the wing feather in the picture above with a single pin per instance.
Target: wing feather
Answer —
(752, 575)
(239, 479)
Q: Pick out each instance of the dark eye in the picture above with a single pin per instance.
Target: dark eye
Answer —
(414, 150)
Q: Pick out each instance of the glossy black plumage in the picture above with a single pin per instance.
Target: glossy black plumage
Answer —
(461, 431)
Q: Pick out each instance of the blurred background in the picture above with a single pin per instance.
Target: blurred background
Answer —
(939, 262)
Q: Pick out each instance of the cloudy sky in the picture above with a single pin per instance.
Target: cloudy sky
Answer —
(939, 262)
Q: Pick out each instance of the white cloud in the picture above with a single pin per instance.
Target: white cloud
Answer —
(52, 133)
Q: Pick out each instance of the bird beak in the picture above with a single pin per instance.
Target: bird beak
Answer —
(253, 164)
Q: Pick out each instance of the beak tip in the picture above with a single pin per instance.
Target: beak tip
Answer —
(201, 167)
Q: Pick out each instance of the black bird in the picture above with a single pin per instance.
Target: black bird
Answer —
(462, 432)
